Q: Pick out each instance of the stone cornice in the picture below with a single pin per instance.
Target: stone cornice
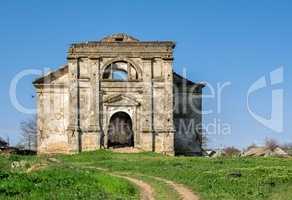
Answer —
(94, 44)
(50, 86)
(144, 55)
(147, 50)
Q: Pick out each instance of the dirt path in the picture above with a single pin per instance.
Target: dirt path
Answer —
(184, 192)
(146, 191)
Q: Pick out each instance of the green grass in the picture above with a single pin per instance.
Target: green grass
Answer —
(283, 193)
(162, 191)
(60, 182)
(213, 179)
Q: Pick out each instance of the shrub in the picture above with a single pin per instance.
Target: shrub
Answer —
(231, 151)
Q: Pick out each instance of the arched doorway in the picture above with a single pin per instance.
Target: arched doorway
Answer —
(120, 133)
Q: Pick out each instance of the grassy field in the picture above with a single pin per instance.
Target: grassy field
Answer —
(212, 179)
(58, 181)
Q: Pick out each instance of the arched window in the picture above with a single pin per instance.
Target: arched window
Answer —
(120, 71)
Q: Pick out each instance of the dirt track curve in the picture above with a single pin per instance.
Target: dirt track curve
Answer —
(146, 190)
(184, 192)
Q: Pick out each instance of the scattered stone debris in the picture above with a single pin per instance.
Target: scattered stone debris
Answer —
(265, 152)
(219, 153)
(54, 160)
(36, 167)
(251, 152)
(18, 164)
(209, 153)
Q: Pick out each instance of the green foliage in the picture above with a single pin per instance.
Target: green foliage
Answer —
(14, 157)
(221, 178)
(283, 193)
(64, 183)
(213, 179)
(4, 163)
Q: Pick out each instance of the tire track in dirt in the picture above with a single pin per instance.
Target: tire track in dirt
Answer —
(184, 192)
(146, 191)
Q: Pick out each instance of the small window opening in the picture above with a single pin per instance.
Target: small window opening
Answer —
(120, 75)
(121, 71)
(119, 39)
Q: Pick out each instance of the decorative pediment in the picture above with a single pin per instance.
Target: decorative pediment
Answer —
(121, 100)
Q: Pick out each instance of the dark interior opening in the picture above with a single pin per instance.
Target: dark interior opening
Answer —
(120, 133)
(119, 39)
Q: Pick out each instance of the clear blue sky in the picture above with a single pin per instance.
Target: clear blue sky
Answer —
(217, 41)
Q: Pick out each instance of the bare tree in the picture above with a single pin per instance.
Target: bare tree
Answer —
(271, 144)
(29, 134)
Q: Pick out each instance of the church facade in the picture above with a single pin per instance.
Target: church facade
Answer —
(119, 92)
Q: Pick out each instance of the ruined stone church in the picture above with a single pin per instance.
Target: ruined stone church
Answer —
(119, 92)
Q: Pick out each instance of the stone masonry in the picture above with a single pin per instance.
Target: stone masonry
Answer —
(119, 92)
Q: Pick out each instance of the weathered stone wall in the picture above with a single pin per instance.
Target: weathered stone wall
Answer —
(84, 100)
(187, 117)
(53, 117)
(152, 87)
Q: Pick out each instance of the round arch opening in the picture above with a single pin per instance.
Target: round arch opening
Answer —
(120, 132)
(120, 71)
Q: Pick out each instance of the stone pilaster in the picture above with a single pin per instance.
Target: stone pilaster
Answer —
(147, 126)
(73, 104)
(169, 107)
(40, 120)
(94, 94)
(169, 102)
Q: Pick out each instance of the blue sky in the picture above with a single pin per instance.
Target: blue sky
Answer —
(217, 42)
